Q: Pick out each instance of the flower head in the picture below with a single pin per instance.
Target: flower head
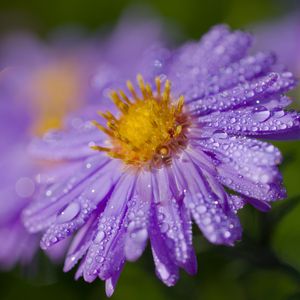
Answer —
(164, 157)
(31, 103)
(39, 85)
(151, 128)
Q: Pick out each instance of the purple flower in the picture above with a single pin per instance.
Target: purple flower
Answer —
(39, 84)
(180, 145)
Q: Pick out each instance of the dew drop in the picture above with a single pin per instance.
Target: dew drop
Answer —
(227, 234)
(220, 134)
(270, 148)
(261, 113)
(100, 236)
(69, 213)
(201, 209)
(164, 227)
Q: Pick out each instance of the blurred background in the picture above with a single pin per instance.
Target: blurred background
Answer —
(266, 264)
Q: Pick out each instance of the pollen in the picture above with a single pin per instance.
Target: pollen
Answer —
(150, 128)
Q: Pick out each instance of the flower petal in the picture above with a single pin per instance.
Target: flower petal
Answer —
(166, 270)
(111, 282)
(100, 259)
(43, 212)
(217, 222)
(256, 121)
(245, 165)
(78, 211)
(173, 220)
(137, 219)
(243, 94)
(81, 243)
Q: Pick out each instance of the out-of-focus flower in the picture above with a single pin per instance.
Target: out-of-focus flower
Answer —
(166, 155)
(282, 37)
(40, 83)
(14, 190)
(38, 86)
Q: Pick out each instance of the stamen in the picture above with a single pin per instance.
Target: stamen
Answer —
(131, 89)
(102, 128)
(158, 85)
(166, 93)
(180, 104)
(141, 84)
(118, 102)
(125, 98)
(99, 148)
(150, 130)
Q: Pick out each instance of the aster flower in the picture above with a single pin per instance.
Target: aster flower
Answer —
(37, 88)
(40, 83)
(180, 145)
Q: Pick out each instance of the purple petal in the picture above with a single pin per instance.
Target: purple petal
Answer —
(138, 218)
(236, 203)
(43, 212)
(234, 97)
(81, 243)
(246, 166)
(63, 145)
(111, 282)
(100, 259)
(257, 121)
(198, 61)
(165, 268)
(215, 219)
(76, 213)
(173, 220)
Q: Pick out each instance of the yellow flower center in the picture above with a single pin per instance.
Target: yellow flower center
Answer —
(56, 90)
(150, 129)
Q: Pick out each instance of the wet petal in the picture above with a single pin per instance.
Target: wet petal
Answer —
(100, 259)
(137, 219)
(165, 268)
(196, 62)
(78, 211)
(213, 215)
(173, 219)
(111, 282)
(81, 243)
(43, 212)
(243, 94)
(246, 166)
(57, 145)
(261, 121)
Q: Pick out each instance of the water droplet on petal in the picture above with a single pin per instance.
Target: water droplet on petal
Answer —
(261, 113)
(100, 236)
(220, 134)
(69, 213)
(201, 209)
(164, 227)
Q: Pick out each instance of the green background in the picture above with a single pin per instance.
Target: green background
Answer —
(265, 265)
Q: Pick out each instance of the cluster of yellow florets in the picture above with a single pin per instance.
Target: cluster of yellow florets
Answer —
(150, 129)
